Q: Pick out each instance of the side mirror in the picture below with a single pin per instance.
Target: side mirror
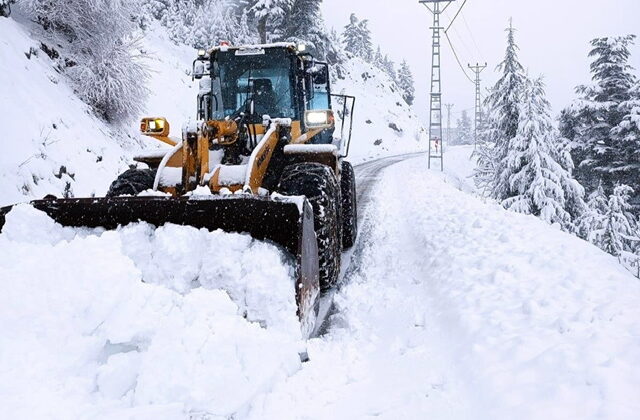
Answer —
(198, 69)
(157, 127)
(320, 76)
(319, 119)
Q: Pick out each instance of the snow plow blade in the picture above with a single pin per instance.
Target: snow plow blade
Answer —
(287, 222)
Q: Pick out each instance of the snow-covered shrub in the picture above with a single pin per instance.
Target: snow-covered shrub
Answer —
(100, 55)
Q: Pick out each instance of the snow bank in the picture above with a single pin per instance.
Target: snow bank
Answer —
(384, 125)
(463, 310)
(137, 323)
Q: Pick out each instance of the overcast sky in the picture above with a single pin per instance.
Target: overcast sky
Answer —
(553, 36)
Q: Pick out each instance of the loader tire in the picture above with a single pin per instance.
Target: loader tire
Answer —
(132, 182)
(319, 185)
(349, 205)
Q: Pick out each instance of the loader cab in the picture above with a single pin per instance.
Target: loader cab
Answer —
(277, 80)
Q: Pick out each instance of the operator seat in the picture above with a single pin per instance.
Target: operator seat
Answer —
(265, 100)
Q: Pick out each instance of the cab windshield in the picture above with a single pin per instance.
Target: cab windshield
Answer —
(261, 76)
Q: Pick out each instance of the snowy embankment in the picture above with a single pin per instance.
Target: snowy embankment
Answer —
(53, 144)
(383, 124)
(462, 310)
(134, 323)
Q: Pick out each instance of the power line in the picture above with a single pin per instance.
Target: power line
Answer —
(455, 54)
(473, 38)
(456, 16)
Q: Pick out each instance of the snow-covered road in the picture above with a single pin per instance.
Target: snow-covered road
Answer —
(461, 310)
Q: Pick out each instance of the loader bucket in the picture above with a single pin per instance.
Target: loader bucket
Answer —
(285, 221)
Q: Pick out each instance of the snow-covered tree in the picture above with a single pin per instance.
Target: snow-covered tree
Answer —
(100, 54)
(602, 145)
(304, 24)
(540, 183)
(502, 107)
(269, 15)
(242, 34)
(389, 67)
(378, 58)
(617, 233)
(406, 83)
(592, 219)
(357, 38)
(627, 140)
(335, 54)
(464, 132)
(157, 8)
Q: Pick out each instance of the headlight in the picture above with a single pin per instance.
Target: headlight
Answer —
(319, 119)
(154, 126)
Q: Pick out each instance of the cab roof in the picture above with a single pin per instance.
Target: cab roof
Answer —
(223, 48)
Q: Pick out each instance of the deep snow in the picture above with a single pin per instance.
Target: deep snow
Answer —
(139, 323)
(462, 310)
(455, 309)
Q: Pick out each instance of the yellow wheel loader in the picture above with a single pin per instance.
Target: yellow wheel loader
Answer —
(262, 157)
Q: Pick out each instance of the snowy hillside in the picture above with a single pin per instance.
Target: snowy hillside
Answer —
(384, 124)
(53, 144)
(57, 145)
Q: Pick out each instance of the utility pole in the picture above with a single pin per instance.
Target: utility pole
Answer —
(449, 106)
(477, 69)
(435, 105)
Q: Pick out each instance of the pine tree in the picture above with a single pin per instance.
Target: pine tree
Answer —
(601, 147)
(357, 38)
(501, 123)
(406, 83)
(304, 24)
(335, 54)
(617, 234)
(378, 58)
(592, 219)
(464, 135)
(627, 140)
(389, 67)
(241, 33)
(269, 15)
(541, 184)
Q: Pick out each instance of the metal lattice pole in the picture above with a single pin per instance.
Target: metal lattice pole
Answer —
(477, 69)
(449, 107)
(435, 103)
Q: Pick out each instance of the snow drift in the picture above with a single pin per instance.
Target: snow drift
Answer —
(138, 322)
